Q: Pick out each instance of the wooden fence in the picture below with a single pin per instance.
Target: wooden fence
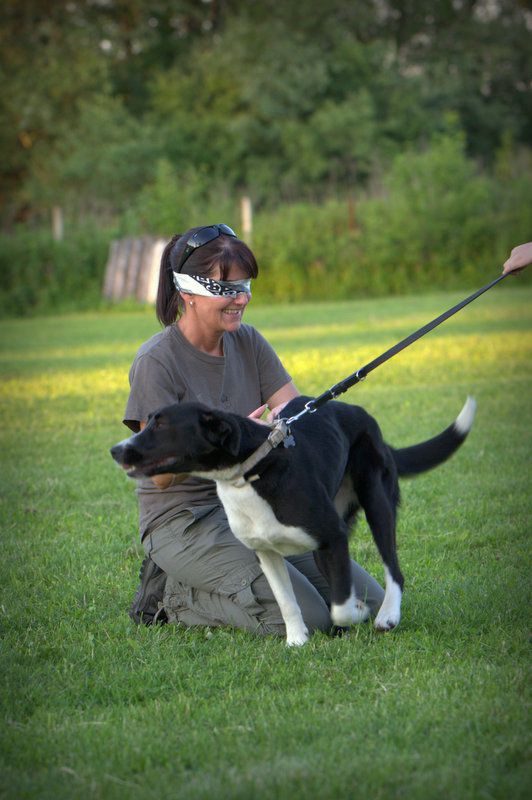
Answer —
(132, 269)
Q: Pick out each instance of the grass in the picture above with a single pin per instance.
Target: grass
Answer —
(94, 707)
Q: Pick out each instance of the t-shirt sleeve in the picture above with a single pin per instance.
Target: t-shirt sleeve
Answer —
(152, 388)
(272, 375)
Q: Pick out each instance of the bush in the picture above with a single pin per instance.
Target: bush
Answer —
(41, 275)
(436, 222)
(174, 202)
(305, 251)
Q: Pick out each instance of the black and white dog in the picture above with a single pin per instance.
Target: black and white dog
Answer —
(299, 498)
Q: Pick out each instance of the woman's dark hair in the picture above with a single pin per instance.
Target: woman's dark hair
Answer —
(221, 253)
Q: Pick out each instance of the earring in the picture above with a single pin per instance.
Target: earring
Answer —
(191, 302)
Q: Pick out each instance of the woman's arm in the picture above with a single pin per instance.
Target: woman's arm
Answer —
(280, 398)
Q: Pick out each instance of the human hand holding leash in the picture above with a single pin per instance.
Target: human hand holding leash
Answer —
(256, 415)
(271, 416)
(519, 258)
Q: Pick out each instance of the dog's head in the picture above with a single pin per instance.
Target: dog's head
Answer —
(181, 438)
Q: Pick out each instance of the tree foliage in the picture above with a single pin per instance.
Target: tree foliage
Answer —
(288, 101)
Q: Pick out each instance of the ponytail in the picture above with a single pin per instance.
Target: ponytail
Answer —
(168, 300)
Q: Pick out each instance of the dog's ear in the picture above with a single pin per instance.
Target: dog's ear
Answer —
(221, 431)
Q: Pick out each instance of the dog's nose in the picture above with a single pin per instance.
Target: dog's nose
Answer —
(117, 452)
(124, 453)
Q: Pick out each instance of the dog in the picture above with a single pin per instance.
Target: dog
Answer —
(298, 498)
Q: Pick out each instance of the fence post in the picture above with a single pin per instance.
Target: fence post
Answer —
(110, 270)
(144, 274)
(153, 283)
(58, 224)
(246, 213)
(122, 258)
(132, 269)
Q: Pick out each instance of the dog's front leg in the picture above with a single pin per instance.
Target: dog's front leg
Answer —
(274, 567)
(334, 563)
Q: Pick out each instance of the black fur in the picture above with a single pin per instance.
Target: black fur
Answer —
(339, 455)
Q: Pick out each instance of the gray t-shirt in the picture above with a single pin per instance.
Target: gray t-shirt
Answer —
(168, 369)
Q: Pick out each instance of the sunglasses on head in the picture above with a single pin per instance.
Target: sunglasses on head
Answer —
(201, 237)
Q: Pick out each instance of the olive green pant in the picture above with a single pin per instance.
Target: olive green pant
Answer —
(213, 579)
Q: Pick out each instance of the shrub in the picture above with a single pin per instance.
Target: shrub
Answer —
(436, 222)
(41, 275)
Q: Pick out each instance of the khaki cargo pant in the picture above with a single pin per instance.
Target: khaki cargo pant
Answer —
(213, 579)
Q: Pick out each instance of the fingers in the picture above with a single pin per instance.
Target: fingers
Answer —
(257, 414)
(519, 258)
(276, 411)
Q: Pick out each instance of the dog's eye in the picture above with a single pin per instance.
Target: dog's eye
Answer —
(160, 422)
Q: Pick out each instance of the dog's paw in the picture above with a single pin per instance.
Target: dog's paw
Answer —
(390, 611)
(386, 622)
(296, 637)
(362, 612)
(351, 612)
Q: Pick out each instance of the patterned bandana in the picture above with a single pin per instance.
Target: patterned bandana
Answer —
(207, 287)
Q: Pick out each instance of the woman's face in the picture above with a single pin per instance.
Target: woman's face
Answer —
(218, 314)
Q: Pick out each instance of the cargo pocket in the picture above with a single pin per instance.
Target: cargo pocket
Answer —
(239, 588)
(175, 599)
(179, 529)
(180, 598)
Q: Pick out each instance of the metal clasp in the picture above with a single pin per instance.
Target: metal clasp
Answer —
(306, 410)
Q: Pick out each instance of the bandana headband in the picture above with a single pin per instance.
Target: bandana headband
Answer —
(207, 287)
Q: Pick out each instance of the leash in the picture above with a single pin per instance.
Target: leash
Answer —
(281, 427)
(363, 372)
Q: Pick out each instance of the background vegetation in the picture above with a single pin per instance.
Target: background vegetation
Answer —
(93, 707)
(385, 145)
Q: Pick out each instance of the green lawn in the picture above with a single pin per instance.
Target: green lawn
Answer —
(94, 707)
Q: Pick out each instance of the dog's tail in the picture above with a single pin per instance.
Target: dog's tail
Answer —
(429, 454)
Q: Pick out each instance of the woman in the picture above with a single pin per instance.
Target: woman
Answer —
(206, 353)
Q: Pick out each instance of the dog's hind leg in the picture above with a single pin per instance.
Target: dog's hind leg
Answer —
(274, 567)
(334, 562)
(378, 498)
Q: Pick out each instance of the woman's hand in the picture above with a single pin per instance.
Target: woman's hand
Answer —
(271, 416)
(275, 404)
(166, 479)
(274, 412)
(257, 414)
(520, 257)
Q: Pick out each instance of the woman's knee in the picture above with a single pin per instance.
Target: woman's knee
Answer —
(314, 610)
(367, 588)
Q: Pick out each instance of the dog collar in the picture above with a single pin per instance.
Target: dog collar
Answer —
(280, 433)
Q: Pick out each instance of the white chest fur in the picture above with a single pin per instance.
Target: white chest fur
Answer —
(254, 523)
